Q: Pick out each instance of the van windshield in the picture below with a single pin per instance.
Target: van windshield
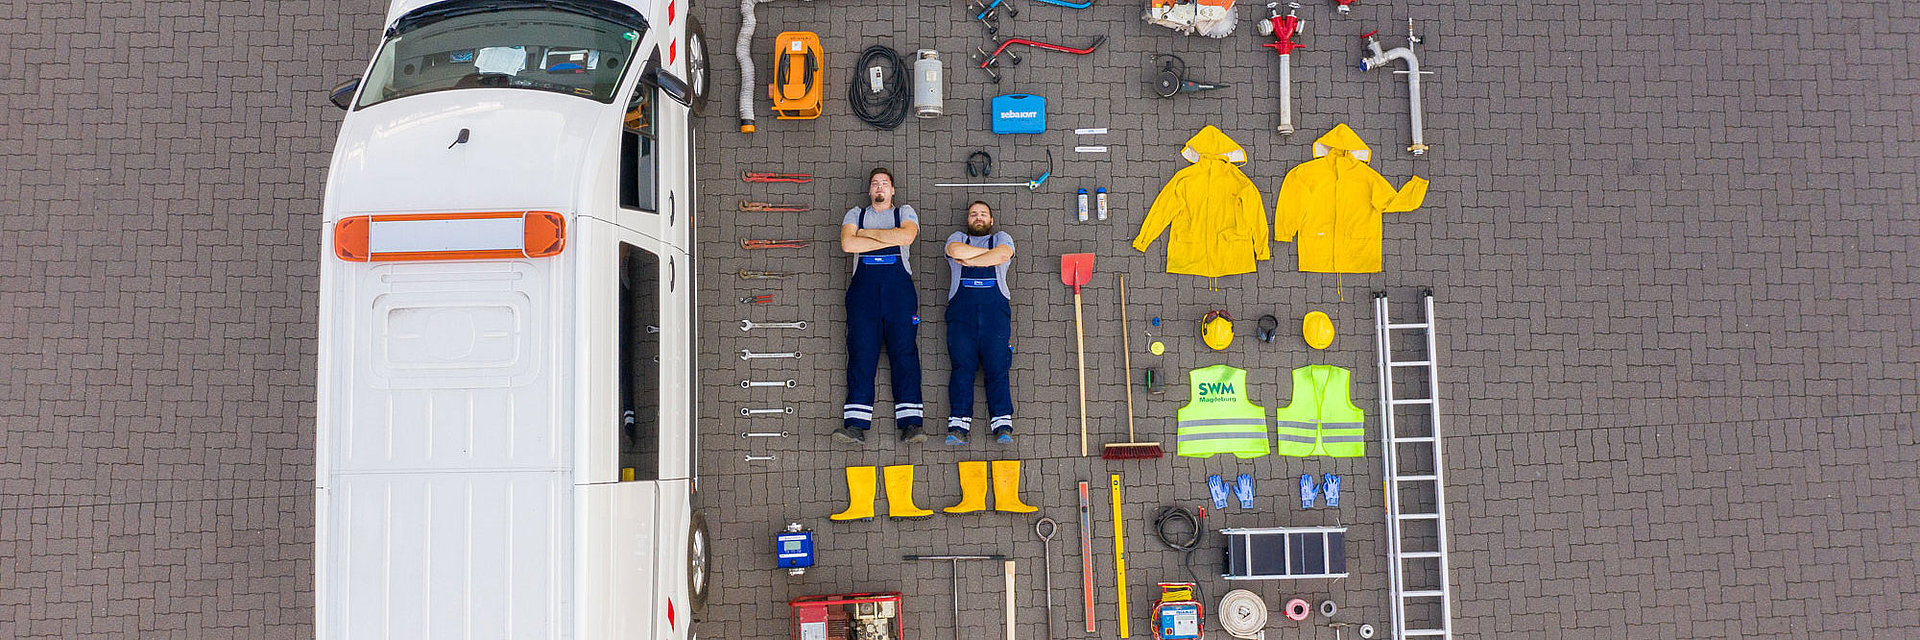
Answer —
(573, 48)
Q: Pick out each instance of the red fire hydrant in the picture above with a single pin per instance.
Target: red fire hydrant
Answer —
(1283, 27)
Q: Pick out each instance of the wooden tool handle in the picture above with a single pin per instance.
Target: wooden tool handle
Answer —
(1126, 355)
(1080, 341)
(1010, 572)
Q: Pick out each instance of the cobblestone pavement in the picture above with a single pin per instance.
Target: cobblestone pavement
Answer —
(1669, 244)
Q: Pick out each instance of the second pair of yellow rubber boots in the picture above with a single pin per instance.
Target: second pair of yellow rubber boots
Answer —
(1006, 488)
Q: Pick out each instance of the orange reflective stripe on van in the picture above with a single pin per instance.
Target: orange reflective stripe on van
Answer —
(450, 236)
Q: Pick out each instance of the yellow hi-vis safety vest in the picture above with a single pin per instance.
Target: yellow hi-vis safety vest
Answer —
(1321, 420)
(1218, 418)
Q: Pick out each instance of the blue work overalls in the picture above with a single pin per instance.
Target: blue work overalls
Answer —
(979, 333)
(882, 308)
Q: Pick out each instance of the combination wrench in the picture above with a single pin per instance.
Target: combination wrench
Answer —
(749, 325)
(749, 384)
(749, 355)
(753, 458)
(766, 412)
(764, 434)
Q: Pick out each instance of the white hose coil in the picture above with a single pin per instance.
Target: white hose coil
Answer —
(1243, 615)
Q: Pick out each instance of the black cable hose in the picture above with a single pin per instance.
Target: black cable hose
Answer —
(888, 108)
(1197, 532)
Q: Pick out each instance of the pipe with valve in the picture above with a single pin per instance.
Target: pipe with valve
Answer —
(1380, 59)
(1283, 28)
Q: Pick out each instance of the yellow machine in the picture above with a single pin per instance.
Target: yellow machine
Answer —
(798, 70)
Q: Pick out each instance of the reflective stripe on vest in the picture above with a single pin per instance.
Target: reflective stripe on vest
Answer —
(1218, 418)
(1321, 420)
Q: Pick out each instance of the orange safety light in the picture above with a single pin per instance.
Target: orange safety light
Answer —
(450, 236)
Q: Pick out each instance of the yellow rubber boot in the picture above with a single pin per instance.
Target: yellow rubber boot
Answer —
(900, 494)
(860, 492)
(973, 488)
(1006, 488)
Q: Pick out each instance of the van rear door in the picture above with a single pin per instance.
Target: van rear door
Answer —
(444, 487)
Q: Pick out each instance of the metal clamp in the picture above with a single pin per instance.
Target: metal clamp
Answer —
(749, 325)
(749, 355)
(749, 384)
(753, 458)
(766, 412)
(764, 434)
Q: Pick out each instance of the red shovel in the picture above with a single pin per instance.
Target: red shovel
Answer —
(1077, 269)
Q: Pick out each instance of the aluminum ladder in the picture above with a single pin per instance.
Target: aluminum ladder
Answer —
(1421, 483)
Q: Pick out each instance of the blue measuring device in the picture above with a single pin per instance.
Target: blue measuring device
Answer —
(794, 549)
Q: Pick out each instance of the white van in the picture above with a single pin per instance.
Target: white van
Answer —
(506, 398)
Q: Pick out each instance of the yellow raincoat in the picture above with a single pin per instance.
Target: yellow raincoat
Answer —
(1334, 203)
(1219, 222)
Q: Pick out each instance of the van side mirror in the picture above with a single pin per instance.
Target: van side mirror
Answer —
(658, 77)
(342, 95)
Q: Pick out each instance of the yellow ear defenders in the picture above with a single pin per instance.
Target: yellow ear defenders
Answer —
(979, 165)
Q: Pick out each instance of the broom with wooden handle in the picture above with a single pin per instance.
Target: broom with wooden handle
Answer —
(1129, 450)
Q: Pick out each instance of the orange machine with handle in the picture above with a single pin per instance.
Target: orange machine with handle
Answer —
(798, 70)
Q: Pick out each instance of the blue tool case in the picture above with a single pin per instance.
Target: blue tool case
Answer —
(1019, 113)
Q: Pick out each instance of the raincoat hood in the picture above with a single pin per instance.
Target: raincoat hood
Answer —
(1215, 221)
(1211, 142)
(1342, 139)
(1332, 205)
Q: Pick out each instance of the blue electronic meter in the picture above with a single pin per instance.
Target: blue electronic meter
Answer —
(794, 549)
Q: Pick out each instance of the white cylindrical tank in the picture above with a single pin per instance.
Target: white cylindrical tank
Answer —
(929, 85)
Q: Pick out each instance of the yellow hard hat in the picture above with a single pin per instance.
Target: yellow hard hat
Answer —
(1217, 330)
(1317, 328)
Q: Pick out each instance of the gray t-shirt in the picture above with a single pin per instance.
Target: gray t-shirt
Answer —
(998, 239)
(882, 219)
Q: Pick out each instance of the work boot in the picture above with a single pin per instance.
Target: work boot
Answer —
(1243, 489)
(1331, 486)
(913, 434)
(957, 438)
(973, 487)
(850, 435)
(859, 495)
(1006, 488)
(1217, 489)
(1306, 491)
(900, 494)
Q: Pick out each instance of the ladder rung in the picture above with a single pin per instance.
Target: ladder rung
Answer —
(1429, 593)
(1413, 401)
(1424, 632)
(1411, 363)
(1407, 325)
(1419, 516)
(1419, 554)
(1419, 478)
(1400, 439)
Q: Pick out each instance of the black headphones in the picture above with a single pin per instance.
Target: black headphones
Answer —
(981, 168)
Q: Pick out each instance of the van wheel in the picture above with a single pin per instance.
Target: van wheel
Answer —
(698, 576)
(699, 82)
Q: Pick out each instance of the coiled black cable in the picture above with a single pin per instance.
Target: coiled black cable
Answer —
(888, 108)
(1197, 533)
